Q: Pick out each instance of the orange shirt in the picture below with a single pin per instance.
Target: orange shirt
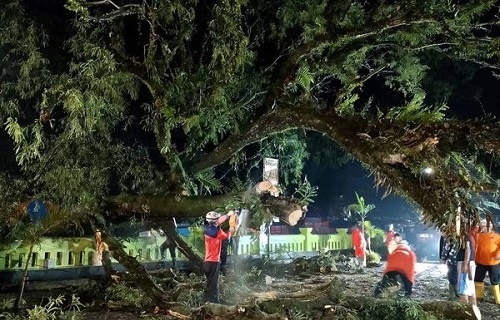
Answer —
(213, 242)
(402, 260)
(488, 247)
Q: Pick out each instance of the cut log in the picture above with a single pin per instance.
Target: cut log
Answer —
(158, 210)
(288, 210)
(263, 187)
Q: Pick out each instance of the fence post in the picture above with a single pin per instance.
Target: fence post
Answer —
(306, 232)
(346, 240)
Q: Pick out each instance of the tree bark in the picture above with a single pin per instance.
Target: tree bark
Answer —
(172, 235)
(396, 152)
(160, 210)
(138, 272)
(288, 210)
(19, 298)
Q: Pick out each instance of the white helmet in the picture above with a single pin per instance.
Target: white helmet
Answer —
(212, 216)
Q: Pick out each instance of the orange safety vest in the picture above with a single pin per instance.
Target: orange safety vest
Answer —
(358, 242)
(488, 248)
(402, 260)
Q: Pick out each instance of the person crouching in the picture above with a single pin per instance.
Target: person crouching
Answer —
(213, 241)
(400, 264)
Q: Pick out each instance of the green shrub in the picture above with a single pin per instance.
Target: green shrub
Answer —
(373, 257)
(387, 309)
(122, 295)
(55, 309)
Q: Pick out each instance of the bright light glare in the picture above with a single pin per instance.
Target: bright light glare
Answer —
(443, 268)
(428, 170)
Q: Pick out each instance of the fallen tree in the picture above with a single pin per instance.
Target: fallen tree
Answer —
(327, 301)
(158, 210)
(126, 94)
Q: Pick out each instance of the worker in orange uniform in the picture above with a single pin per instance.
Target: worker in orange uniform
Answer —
(359, 244)
(213, 242)
(400, 263)
(234, 241)
(487, 260)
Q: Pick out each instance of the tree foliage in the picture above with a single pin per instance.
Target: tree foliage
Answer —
(99, 98)
(361, 208)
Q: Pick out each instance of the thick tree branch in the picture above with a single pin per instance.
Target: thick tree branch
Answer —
(163, 208)
(138, 271)
(393, 151)
(160, 210)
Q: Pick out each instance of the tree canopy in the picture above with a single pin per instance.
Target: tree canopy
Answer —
(182, 98)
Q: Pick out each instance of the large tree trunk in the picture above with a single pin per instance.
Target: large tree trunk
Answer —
(162, 208)
(288, 210)
(137, 271)
(159, 210)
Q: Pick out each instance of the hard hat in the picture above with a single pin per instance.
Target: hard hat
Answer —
(404, 243)
(212, 216)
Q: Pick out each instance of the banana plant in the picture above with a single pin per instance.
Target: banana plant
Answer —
(362, 209)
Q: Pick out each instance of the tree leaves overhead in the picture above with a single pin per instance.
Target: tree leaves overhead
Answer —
(103, 97)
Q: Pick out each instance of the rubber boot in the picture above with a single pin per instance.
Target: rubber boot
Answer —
(479, 290)
(496, 293)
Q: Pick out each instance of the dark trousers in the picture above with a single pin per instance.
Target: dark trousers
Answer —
(452, 273)
(453, 277)
(390, 279)
(171, 248)
(223, 255)
(212, 272)
(235, 241)
(493, 272)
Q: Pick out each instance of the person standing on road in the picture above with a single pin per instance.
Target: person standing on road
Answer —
(466, 269)
(359, 244)
(447, 255)
(487, 260)
(400, 264)
(213, 243)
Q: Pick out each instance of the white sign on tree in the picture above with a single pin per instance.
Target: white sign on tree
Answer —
(271, 172)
